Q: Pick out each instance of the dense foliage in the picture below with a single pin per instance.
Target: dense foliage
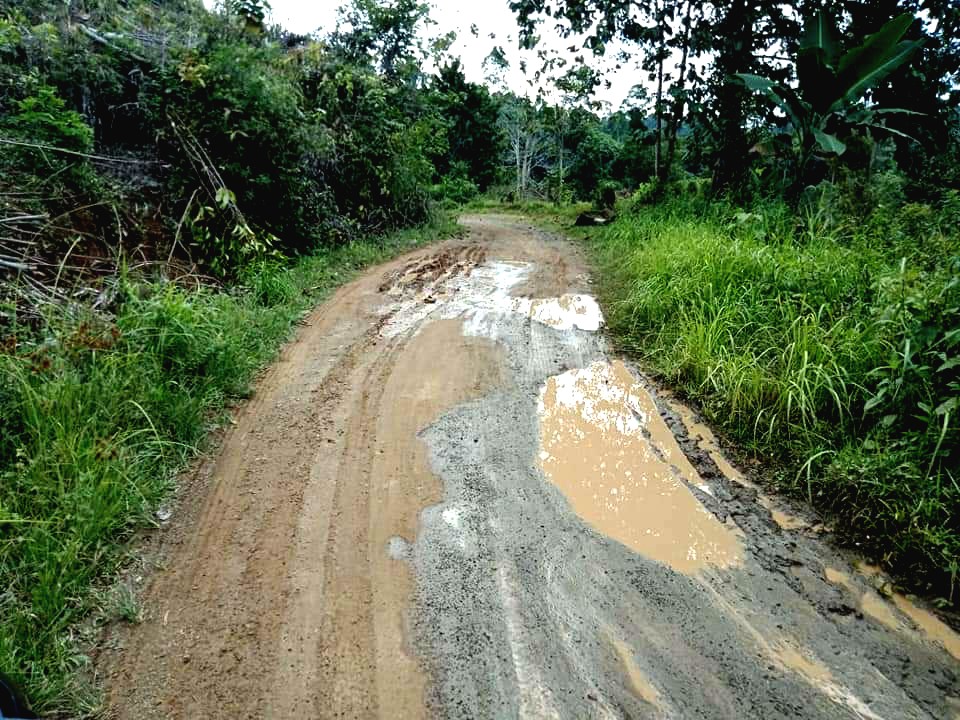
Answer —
(231, 138)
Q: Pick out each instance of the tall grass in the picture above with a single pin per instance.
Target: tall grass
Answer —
(831, 344)
(96, 416)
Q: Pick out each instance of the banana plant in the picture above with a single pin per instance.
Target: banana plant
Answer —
(830, 86)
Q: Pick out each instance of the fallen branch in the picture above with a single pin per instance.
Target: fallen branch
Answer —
(100, 158)
(100, 39)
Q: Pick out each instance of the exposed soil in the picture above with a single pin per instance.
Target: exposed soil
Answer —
(448, 500)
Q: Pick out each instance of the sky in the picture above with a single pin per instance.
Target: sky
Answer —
(490, 17)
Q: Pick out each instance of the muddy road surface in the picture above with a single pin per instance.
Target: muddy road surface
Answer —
(450, 499)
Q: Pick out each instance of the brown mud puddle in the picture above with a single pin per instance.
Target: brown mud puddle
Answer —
(929, 625)
(604, 445)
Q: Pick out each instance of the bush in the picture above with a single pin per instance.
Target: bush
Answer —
(456, 187)
(42, 121)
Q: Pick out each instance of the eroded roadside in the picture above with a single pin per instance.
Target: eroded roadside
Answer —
(449, 500)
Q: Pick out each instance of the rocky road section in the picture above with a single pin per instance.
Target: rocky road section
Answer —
(450, 499)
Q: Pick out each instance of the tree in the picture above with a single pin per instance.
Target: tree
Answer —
(471, 116)
(526, 141)
(730, 32)
(828, 103)
(383, 31)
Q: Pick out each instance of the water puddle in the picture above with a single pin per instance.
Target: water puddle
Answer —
(785, 520)
(707, 442)
(870, 603)
(639, 683)
(929, 625)
(564, 312)
(484, 293)
(605, 446)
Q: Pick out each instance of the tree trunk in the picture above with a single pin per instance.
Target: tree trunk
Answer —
(735, 55)
(657, 160)
(680, 101)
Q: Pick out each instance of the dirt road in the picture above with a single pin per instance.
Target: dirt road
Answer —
(448, 499)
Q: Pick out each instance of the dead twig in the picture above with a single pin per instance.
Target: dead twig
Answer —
(88, 156)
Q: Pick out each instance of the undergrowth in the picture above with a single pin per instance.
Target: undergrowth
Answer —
(97, 414)
(829, 341)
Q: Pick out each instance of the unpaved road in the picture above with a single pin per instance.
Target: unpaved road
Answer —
(447, 499)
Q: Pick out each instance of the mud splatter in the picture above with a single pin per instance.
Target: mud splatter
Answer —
(613, 457)
(707, 442)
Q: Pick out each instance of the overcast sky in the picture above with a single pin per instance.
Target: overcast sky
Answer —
(489, 16)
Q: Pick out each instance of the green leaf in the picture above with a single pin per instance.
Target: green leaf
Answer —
(874, 401)
(949, 364)
(881, 53)
(820, 34)
(754, 82)
(829, 143)
(785, 98)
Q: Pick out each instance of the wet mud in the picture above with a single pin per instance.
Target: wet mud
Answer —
(450, 499)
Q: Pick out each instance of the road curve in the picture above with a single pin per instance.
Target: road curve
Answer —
(449, 498)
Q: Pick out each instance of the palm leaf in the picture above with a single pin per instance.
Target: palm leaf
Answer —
(820, 34)
(881, 53)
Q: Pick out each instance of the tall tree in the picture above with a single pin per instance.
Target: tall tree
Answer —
(526, 141)
(385, 32)
(473, 133)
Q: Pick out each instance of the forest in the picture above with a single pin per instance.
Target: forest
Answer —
(779, 200)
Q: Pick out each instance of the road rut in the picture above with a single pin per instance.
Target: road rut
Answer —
(448, 498)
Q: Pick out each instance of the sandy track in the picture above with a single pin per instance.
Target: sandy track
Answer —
(445, 500)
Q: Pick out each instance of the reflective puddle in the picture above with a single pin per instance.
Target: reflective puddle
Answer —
(604, 445)
(564, 312)
(485, 292)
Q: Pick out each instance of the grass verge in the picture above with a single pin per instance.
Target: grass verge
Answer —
(831, 348)
(97, 414)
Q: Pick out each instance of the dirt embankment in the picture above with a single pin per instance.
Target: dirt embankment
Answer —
(447, 500)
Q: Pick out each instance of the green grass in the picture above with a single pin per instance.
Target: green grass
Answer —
(96, 417)
(832, 347)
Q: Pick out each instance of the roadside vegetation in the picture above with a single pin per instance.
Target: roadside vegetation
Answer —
(777, 205)
(828, 344)
(177, 188)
